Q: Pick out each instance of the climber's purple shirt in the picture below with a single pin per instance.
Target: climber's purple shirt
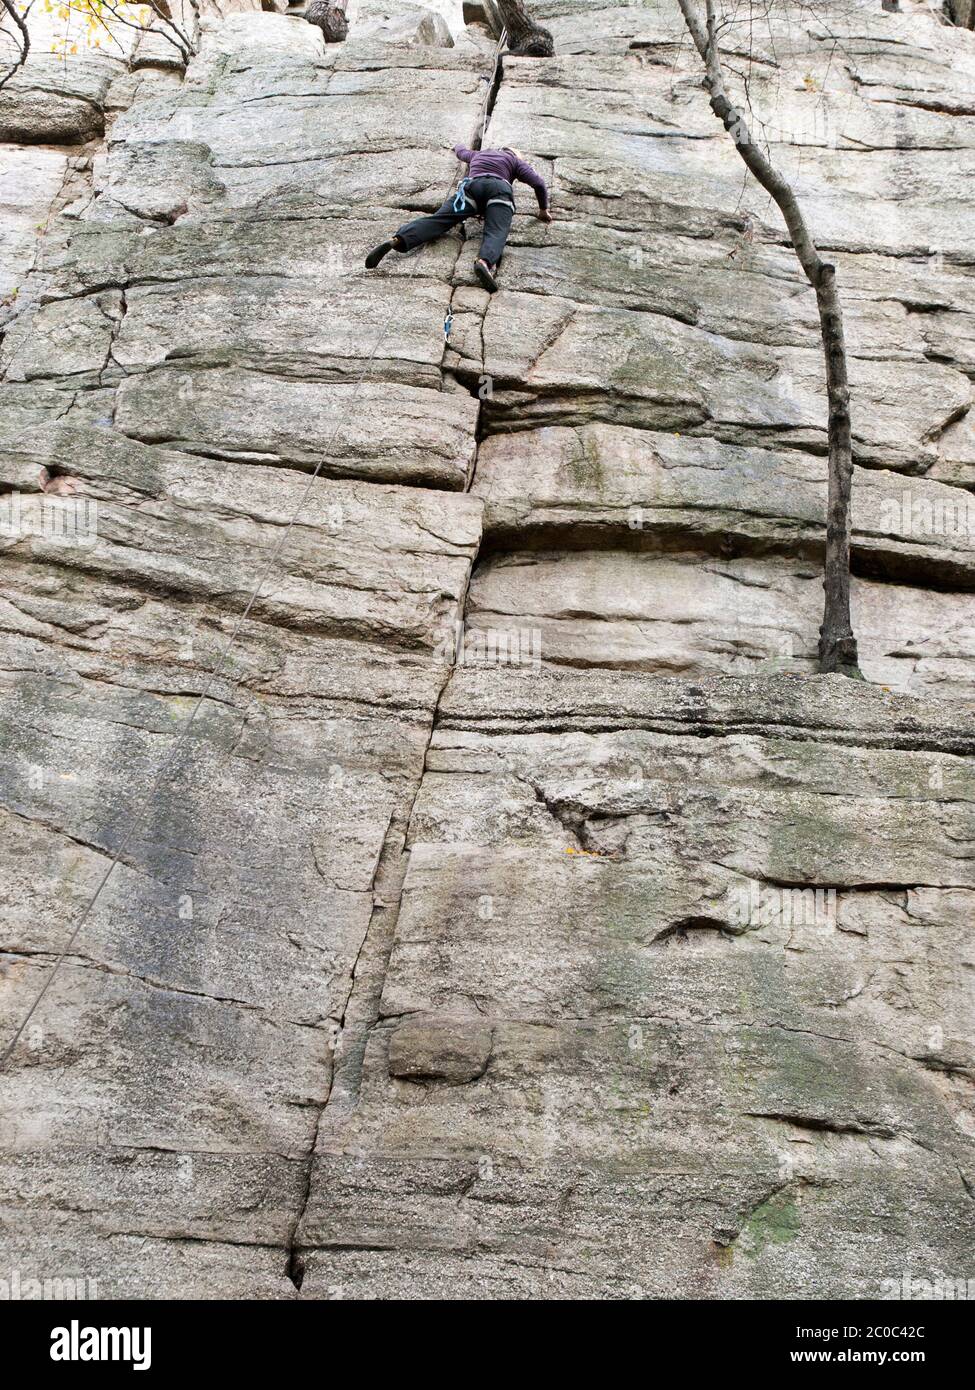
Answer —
(502, 164)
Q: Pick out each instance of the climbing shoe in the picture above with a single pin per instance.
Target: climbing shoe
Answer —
(486, 276)
(377, 253)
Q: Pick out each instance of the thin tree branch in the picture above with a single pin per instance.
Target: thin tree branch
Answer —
(837, 644)
(22, 35)
(178, 39)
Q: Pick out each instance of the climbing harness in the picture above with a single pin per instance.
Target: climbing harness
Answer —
(460, 201)
(135, 817)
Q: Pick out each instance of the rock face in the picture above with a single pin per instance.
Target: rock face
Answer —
(501, 905)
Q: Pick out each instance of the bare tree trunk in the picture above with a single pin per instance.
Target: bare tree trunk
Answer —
(962, 13)
(526, 39)
(837, 644)
(329, 16)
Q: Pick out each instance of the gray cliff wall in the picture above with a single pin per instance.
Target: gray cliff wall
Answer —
(421, 977)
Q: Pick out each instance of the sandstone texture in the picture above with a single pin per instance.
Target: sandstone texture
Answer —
(502, 907)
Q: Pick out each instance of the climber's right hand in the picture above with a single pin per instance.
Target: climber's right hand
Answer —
(544, 215)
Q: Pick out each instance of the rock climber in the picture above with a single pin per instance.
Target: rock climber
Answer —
(485, 192)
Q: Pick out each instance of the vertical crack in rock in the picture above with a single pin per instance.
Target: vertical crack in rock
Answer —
(362, 1005)
(361, 1010)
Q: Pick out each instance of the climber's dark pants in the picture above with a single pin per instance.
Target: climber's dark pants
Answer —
(487, 197)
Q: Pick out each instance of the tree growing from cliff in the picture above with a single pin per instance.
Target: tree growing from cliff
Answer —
(837, 643)
(526, 39)
(330, 17)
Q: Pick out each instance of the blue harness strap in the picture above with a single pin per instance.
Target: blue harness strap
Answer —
(460, 201)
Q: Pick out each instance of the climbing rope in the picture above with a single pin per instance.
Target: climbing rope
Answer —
(482, 119)
(135, 817)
